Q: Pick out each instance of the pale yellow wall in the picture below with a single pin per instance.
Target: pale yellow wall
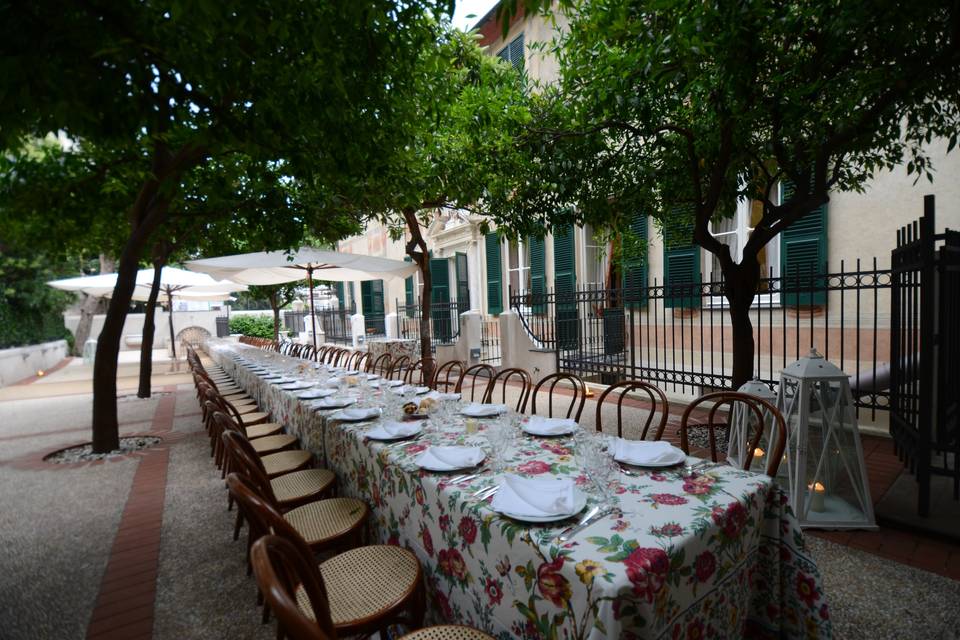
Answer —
(376, 241)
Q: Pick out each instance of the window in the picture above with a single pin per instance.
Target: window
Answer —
(734, 232)
(518, 266)
(596, 259)
(513, 53)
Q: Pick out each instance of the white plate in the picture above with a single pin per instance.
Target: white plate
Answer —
(477, 410)
(421, 390)
(446, 467)
(359, 414)
(313, 394)
(333, 403)
(377, 433)
(296, 386)
(579, 502)
(678, 457)
(533, 430)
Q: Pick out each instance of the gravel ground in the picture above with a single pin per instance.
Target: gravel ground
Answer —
(203, 590)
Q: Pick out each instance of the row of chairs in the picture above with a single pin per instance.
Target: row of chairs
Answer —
(293, 514)
(564, 395)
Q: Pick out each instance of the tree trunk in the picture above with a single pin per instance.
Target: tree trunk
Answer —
(91, 306)
(741, 282)
(149, 326)
(173, 339)
(417, 250)
(276, 321)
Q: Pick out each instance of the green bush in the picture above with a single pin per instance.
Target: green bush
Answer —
(30, 311)
(260, 326)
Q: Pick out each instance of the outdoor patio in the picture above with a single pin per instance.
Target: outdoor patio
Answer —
(140, 546)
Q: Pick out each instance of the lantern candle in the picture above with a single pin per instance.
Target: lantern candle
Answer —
(819, 492)
(758, 453)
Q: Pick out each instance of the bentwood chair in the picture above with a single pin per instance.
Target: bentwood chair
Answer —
(321, 353)
(448, 375)
(274, 464)
(655, 398)
(328, 523)
(398, 368)
(414, 373)
(757, 408)
(308, 352)
(515, 378)
(367, 588)
(478, 377)
(380, 366)
(566, 381)
(294, 587)
(360, 362)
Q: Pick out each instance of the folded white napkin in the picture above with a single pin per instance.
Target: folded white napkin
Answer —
(316, 393)
(293, 386)
(537, 497)
(478, 410)
(393, 383)
(359, 413)
(394, 430)
(373, 376)
(538, 425)
(450, 458)
(436, 395)
(641, 452)
(334, 403)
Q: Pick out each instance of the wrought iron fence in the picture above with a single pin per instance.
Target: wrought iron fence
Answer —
(336, 324)
(296, 320)
(444, 321)
(490, 342)
(680, 336)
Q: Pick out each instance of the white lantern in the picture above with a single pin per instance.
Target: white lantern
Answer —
(827, 477)
(743, 425)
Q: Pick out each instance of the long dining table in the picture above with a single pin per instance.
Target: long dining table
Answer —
(712, 553)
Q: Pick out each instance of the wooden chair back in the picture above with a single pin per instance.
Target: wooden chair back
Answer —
(756, 408)
(360, 363)
(479, 377)
(280, 568)
(381, 365)
(520, 378)
(650, 393)
(246, 461)
(414, 373)
(447, 375)
(577, 399)
(263, 517)
(398, 368)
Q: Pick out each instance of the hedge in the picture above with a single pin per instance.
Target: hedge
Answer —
(257, 326)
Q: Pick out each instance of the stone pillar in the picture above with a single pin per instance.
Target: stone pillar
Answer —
(517, 348)
(391, 325)
(358, 330)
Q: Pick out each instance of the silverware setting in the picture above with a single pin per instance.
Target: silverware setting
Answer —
(594, 515)
(486, 492)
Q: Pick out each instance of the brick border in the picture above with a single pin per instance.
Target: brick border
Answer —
(125, 604)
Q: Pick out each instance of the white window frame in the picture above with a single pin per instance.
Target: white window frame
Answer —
(589, 240)
(522, 270)
(742, 230)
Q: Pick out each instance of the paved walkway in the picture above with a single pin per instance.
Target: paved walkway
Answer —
(141, 547)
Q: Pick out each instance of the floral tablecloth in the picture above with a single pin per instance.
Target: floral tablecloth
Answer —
(716, 554)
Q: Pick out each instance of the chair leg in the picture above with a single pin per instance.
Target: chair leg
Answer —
(237, 525)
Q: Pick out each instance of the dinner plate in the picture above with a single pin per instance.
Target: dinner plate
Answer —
(678, 457)
(313, 394)
(477, 410)
(377, 433)
(359, 414)
(296, 386)
(534, 430)
(333, 403)
(579, 502)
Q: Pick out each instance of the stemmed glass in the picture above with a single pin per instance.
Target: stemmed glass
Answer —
(498, 436)
(597, 462)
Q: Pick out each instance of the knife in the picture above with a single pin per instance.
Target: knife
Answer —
(591, 518)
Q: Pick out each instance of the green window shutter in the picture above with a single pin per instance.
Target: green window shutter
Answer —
(803, 256)
(565, 286)
(681, 262)
(494, 275)
(440, 288)
(409, 296)
(371, 294)
(513, 53)
(538, 274)
(463, 282)
(338, 289)
(635, 265)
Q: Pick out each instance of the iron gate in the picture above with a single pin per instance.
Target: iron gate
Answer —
(925, 352)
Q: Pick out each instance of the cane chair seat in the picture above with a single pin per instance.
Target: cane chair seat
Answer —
(245, 406)
(301, 485)
(365, 583)
(253, 418)
(278, 464)
(239, 396)
(230, 390)
(265, 429)
(321, 523)
(271, 444)
(447, 632)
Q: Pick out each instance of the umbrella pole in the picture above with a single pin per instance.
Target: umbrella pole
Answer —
(313, 315)
(173, 346)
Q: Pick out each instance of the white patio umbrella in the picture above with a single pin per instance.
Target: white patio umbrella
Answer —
(175, 283)
(277, 267)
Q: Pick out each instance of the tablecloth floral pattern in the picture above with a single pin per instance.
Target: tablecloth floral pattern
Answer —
(716, 554)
